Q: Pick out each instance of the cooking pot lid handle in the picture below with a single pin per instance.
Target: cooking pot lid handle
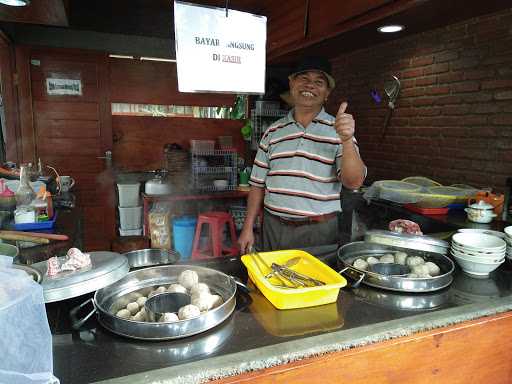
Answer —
(77, 323)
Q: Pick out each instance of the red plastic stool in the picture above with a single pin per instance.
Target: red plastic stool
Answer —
(216, 222)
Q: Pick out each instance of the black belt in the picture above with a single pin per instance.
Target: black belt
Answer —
(298, 221)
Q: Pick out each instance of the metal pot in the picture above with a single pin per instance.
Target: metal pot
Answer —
(151, 257)
(348, 253)
(107, 301)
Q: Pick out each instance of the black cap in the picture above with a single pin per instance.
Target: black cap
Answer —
(315, 63)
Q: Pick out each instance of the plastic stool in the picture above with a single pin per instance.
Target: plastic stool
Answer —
(216, 222)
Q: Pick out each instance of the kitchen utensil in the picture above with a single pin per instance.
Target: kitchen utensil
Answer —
(296, 277)
(156, 306)
(151, 257)
(404, 240)
(106, 268)
(392, 89)
(350, 252)
(23, 236)
(257, 259)
(109, 299)
(300, 297)
(289, 263)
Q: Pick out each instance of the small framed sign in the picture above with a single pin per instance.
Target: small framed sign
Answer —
(71, 87)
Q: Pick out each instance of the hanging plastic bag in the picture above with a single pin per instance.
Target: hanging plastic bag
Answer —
(25, 337)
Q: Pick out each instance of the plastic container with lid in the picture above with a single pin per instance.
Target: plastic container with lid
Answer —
(183, 229)
(130, 217)
(128, 194)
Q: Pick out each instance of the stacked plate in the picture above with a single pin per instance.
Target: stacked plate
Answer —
(508, 240)
(477, 253)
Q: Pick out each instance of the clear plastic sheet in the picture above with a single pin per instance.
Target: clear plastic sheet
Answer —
(25, 337)
(425, 196)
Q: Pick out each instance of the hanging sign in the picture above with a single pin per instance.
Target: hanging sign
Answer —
(219, 50)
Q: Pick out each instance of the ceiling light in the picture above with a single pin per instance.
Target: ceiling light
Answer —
(390, 28)
(15, 3)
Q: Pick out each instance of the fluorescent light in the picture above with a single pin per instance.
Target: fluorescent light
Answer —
(15, 3)
(390, 28)
(119, 56)
(158, 59)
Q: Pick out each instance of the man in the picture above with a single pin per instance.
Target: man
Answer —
(300, 165)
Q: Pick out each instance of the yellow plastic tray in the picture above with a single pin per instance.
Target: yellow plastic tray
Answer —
(309, 265)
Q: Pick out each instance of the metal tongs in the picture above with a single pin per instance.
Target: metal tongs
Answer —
(299, 279)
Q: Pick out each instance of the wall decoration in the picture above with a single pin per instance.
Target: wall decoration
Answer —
(71, 87)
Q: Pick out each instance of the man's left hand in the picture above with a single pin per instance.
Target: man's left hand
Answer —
(344, 124)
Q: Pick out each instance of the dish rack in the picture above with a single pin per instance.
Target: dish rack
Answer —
(211, 165)
(261, 119)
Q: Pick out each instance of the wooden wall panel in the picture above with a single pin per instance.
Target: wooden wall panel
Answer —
(71, 132)
(139, 141)
(150, 82)
(68, 128)
(71, 110)
(13, 146)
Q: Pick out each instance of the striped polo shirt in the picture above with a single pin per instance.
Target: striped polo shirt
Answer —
(299, 167)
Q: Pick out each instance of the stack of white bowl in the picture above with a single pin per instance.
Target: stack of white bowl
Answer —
(508, 240)
(478, 254)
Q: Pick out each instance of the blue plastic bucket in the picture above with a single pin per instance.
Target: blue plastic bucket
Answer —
(183, 229)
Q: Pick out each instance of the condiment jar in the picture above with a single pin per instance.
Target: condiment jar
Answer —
(480, 212)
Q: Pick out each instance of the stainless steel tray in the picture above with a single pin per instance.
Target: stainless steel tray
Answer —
(106, 268)
(348, 253)
(404, 240)
(109, 299)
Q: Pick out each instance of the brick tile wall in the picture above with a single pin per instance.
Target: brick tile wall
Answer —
(453, 118)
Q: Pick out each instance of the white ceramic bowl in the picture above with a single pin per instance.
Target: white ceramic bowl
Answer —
(501, 235)
(476, 253)
(496, 259)
(479, 242)
(475, 268)
(508, 231)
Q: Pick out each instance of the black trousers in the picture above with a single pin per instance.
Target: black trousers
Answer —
(277, 235)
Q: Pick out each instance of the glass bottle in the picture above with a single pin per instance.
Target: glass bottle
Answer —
(25, 194)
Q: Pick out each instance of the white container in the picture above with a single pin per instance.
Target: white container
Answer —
(130, 232)
(130, 217)
(128, 194)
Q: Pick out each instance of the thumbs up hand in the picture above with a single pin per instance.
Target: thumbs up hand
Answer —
(344, 124)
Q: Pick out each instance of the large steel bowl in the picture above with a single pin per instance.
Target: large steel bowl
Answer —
(348, 253)
(107, 301)
(151, 257)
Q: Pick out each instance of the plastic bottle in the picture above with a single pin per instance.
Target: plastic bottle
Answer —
(25, 194)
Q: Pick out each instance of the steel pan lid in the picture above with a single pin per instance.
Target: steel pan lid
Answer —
(106, 268)
(405, 240)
